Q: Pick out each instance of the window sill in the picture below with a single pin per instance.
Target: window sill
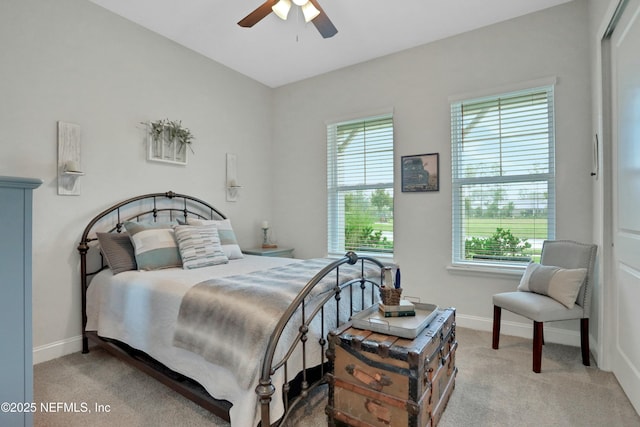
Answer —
(384, 256)
(488, 269)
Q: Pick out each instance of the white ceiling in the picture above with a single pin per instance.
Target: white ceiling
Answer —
(277, 52)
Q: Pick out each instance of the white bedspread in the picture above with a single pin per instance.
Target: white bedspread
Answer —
(141, 308)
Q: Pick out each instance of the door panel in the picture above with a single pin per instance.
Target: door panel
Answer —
(625, 62)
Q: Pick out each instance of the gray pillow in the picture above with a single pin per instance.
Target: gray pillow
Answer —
(118, 251)
(561, 284)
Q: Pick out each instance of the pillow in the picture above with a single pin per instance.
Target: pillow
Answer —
(199, 246)
(561, 284)
(227, 236)
(118, 251)
(154, 244)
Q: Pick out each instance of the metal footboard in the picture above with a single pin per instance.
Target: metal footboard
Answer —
(367, 290)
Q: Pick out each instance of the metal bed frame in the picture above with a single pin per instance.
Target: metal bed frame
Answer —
(170, 205)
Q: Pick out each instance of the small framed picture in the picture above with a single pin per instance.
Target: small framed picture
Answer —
(421, 172)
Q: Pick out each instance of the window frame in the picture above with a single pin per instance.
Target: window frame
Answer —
(458, 182)
(335, 220)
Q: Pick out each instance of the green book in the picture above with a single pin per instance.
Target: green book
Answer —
(398, 313)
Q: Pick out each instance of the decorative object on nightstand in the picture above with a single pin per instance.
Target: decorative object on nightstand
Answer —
(274, 252)
(265, 237)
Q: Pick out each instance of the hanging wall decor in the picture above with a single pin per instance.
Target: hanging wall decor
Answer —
(168, 141)
(69, 169)
(421, 172)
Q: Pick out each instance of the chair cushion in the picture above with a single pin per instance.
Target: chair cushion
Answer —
(561, 284)
(536, 307)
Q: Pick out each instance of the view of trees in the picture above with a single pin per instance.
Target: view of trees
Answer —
(364, 215)
(502, 244)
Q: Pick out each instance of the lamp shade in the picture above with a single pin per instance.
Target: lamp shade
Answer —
(282, 8)
(309, 11)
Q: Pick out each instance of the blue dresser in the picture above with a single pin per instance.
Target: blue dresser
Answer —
(16, 356)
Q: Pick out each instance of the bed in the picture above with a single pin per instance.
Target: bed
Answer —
(245, 338)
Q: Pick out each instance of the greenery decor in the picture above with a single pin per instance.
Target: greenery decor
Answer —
(170, 130)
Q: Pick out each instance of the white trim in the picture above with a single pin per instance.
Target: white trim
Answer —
(514, 87)
(518, 329)
(369, 114)
(57, 349)
(492, 269)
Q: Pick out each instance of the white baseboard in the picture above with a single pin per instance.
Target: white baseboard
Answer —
(57, 349)
(524, 330)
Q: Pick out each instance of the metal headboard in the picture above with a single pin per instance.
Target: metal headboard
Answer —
(147, 207)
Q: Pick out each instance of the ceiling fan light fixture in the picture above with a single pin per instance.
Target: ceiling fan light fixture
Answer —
(300, 2)
(282, 9)
(309, 11)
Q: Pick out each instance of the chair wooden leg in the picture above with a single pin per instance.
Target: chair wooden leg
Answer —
(497, 312)
(537, 346)
(584, 341)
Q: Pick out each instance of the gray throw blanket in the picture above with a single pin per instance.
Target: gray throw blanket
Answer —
(229, 320)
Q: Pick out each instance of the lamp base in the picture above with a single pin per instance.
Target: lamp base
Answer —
(268, 246)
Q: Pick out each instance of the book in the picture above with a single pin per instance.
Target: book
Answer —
(398, 313)
(405, 305)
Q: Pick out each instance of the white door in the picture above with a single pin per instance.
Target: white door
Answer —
(625, 126)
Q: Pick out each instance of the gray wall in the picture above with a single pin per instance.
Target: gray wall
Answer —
(73, 61)
(417, 84)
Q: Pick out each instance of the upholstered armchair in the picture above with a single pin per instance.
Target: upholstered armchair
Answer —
(559, 288)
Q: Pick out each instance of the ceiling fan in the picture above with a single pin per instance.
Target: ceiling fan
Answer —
(310, 9)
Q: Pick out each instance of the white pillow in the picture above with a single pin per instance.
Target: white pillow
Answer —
(227, 236)
(561, 284)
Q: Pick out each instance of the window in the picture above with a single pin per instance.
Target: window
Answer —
(503, 177)
(360, 185)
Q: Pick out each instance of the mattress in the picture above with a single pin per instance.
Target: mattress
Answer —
(140, 308)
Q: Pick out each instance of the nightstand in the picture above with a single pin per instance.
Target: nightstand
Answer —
(277, 252)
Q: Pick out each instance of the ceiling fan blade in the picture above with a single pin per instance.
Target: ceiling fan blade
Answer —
(323, 23)
(254, 17)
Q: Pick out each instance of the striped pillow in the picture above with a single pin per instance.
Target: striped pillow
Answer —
(227, 236)
(199, 246)
(561, 284)
(118, 251)
(154, 244)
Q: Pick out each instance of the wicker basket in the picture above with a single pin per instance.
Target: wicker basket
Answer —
(390, 296)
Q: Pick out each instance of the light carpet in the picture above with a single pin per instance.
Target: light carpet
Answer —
(493, 388)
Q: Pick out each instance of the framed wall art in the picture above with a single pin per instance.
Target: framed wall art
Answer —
(420, 172)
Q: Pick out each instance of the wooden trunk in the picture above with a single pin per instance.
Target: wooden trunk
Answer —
(384, 380)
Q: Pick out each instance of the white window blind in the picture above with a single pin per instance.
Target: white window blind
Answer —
(503, 177)
(360, 185)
